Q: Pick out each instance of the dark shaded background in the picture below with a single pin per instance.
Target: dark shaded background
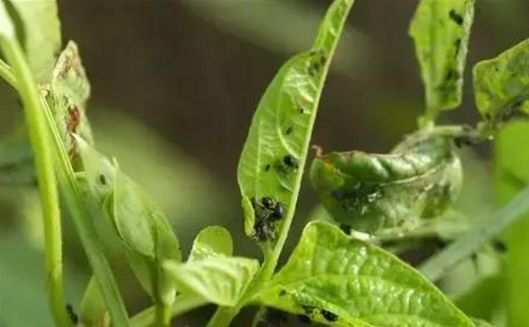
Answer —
(177, 82)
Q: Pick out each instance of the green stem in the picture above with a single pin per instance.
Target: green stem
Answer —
(181, 305)
(83, 220)
(80, 214)
(42, 152)
(435, 267)
(162, 315)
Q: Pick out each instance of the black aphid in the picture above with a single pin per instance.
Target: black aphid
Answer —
(290, 161)
(267, 167)
(457, 18)
(289, 130)
(278, 212)
(71, 314)
(267, 202)
(329, 316)
(282, 293)
(102, 179)
(499, 246)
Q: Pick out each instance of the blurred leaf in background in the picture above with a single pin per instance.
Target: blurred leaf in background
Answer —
(291, 29)
(512, 175)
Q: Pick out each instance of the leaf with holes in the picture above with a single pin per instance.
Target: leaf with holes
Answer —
(389, 193)
(338, 280)
(273, 157)
(501, 85)
(67, 94)
(441, 29)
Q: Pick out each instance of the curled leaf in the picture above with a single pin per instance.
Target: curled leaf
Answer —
(381, 193)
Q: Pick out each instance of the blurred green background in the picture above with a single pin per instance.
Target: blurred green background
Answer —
(174, 86)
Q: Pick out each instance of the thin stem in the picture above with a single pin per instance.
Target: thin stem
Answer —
(469, 242)
(42, 152)
(83, 220)
(162, 315)
(182, 304)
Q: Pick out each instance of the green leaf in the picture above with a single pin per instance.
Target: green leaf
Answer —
(389, 193)
(344, 281)
(41, 35)
(93, 311)
(218, 279)
(273, 157)
(212, 241)
(7, 29)
(501, 85)
(440, 30)
(512, 175)
(138, 221)
(67, 93)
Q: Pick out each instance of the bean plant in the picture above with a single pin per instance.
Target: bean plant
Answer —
(346, 269)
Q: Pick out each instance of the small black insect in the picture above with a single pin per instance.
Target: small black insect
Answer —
(102, 179)
(455, 17)
(290, 161)
(289, 130)
(263, 230)
(278, 212)
(267, 202)
(282, 293)
(329, 316)
(267, 167)
(499, 246)
(71, 314)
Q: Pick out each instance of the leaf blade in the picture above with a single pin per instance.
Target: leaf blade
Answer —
(274, 153)
(501, 85)
(329, 271)
(440, 30)
(41, 35)
(202, 277)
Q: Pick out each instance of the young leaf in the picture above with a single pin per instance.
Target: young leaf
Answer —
(387, 193)
(67, 93)
(138, 221)
(501, 85)
(440, 30)
(211, 241)
(273, 157)
(217, 278)
(93, 311)
(40, 35)
(7, 29)
(343, 281)
(512, 175)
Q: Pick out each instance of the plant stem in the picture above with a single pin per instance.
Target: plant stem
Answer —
(162, 315)
(8, 75)
(181, 305)
(82, 218)
(468, 243)
(42, 152)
